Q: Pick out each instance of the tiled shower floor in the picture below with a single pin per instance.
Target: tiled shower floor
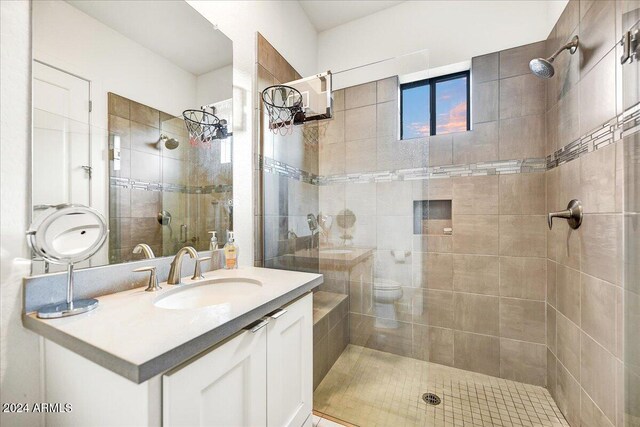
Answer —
(371, 388)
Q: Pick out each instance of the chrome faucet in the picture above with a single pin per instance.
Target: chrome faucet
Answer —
(145, 249)
(176, 265)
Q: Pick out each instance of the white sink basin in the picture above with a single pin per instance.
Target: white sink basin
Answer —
(207, 293)
(336, 251)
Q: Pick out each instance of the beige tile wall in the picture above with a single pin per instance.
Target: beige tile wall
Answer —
(631, 249)
(584, 266)
(496, 262)
(480, 291)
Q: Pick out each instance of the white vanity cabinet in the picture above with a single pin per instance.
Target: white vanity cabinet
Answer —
(261, 377)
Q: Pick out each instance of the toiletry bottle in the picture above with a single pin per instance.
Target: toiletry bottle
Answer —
(213, 243)
(230, 253)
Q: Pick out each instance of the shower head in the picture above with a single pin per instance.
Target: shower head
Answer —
(543, 68)
(169, 143)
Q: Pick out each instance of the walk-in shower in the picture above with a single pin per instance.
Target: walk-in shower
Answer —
(441, 275)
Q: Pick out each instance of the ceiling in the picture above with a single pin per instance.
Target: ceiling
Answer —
(326, 14)
(173, 30)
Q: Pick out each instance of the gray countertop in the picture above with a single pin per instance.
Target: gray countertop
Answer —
(132, 337)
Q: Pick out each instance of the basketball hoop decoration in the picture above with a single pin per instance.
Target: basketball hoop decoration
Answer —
(203, 126)
(284, 106)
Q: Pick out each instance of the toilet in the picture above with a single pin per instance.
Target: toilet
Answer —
(385, 293)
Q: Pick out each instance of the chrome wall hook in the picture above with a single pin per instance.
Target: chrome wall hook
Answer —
(573, 214)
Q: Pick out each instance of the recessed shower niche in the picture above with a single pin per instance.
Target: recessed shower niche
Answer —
(432, 217)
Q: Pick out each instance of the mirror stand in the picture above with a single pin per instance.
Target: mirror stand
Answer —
(70, 307)
(66, 234)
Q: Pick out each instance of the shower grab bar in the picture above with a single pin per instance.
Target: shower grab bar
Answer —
(573, 214)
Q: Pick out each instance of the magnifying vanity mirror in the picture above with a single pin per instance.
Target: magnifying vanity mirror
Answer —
(66, 235)
(109, 132)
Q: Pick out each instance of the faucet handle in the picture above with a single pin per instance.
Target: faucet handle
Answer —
(197, 273)
(573, 214)
(153, 278)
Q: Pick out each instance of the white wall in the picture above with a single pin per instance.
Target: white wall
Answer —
(214, 86)
(452, 31)
(19, 348)
(113, 62)
(288, 29)
(554, 10)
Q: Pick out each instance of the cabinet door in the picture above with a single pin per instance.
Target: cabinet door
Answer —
(290, 364)
(224, 388)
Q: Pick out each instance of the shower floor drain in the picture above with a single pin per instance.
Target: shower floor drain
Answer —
(431, 399)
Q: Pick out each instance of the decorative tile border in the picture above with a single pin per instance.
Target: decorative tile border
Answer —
(615, 129)
(612, 131)
(168, 187)
(268, 164)
(499, 167)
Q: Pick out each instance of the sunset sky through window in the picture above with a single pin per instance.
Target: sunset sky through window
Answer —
(415, 112)
(451, 108)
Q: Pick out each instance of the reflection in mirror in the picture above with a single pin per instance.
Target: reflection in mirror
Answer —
(109, 94)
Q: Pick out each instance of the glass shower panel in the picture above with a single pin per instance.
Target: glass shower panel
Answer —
(373, 200)
(292, 224)
(630, 81)
(178, 204)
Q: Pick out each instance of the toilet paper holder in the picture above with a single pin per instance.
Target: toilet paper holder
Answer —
(400, 255)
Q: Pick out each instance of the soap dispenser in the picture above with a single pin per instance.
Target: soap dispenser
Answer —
(230, 252)
(213, 243)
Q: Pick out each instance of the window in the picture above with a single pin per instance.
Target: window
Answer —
(435, 106)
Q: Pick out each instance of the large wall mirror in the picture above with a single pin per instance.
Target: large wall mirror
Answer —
(111, 81)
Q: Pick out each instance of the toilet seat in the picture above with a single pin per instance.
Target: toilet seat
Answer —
(385, 285)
